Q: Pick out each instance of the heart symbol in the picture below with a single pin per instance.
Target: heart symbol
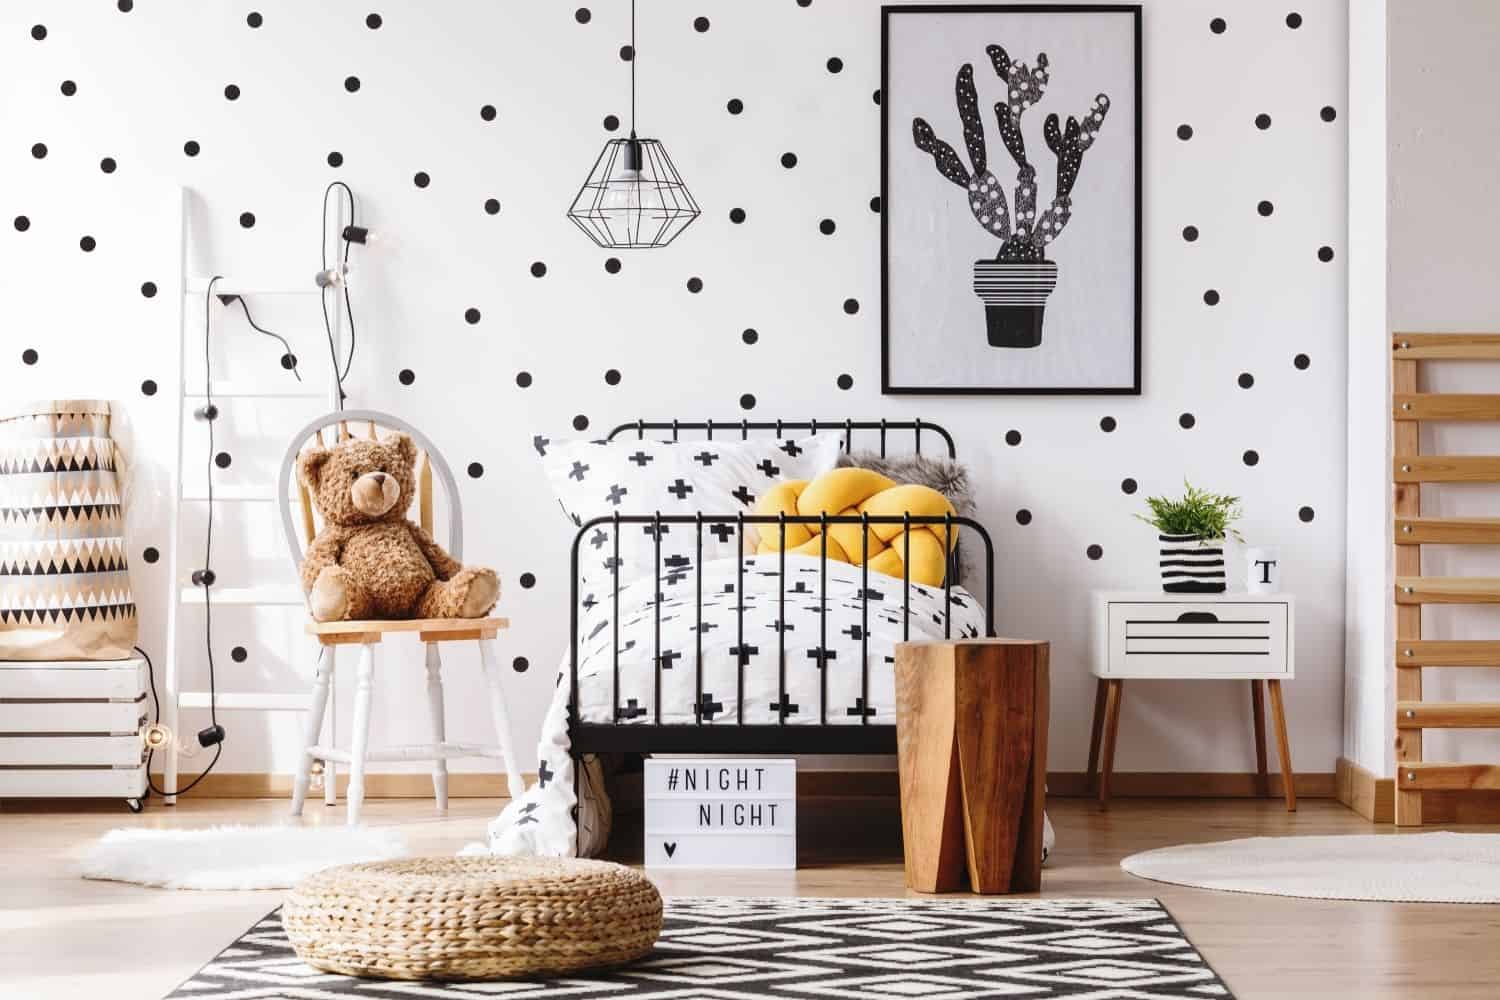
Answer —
(669, 848)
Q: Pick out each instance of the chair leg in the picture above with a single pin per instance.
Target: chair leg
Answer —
(502, 721)
(312, 728)
(439, 726)
(361, 736)
(331, 768)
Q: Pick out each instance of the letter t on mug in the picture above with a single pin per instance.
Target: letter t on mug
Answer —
(1262, 570)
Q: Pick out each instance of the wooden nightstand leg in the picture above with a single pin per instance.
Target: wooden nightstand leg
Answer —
(1258, 721)
(1101, 688)
(1114, 695)
(1283, 747)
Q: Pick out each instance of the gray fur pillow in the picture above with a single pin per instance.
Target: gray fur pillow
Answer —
(946, 475)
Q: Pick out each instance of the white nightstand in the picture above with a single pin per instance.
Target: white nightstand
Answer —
(1163, 636)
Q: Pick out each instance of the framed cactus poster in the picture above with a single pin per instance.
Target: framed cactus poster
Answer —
(1011, 198)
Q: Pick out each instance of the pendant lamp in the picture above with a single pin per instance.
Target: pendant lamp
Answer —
(633, 198)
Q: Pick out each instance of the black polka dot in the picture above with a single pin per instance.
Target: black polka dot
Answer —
(735, 105)
(583, 15)
(87, 244)
(1294, 20)
(875, 96)
(191, 147)
(29, 356)
(222, 460)
(254, 19)
(627, 53)
(580, 422)
(612, 377)
(406, 376)
(1186, 421)
(528, 581)
(851, 306)
(846, 381)
(491, 206)
(695, 285)
(238, 654)
(1190, 233)
(520, 664)
(611, 123)
(335, 159)
(488, 112)
(1251, 457)
(875, 204)
(1246, 380)
(804, 3)
(420, 179)
(351, 83)
(1012, 438)
(150, 554)
(148, 387)
(39, 31)
(736, 215)
(373, 21)
(1262, 121)
(1302, 361)
(747, 401)
(827, 226)
(700, 24)
(1023, 516)
(471, 315)
(538, 269)
(39, 150)
(749, 335)
(789, 160)
(611, 264)
(1107, 424)
(1325, 254)
(1217, 25)
(68, 88)
(1306, 513)
(247, 220)
(22, 223)
(1094, 552)
(475, 470)
(1211, 297)
(1184, 132)
(1128, 486)
(232, 92)
(523, 379)
(148, 289)
(1265, 208)
(289, 361)
(835, 65)
(125, 6)
(1328, 114)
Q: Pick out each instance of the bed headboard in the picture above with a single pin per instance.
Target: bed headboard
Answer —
(847, 427)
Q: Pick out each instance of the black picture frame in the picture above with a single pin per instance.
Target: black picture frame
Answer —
(887, 384)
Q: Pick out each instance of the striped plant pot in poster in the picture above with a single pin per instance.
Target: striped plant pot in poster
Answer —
(1014, 294)
(1190, 564)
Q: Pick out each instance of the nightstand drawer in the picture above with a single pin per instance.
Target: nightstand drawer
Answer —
(1186, 639)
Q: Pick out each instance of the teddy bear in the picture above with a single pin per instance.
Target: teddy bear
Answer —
(369, 561)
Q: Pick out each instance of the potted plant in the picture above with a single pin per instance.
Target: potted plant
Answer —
(1014, 285)
(1189, 528)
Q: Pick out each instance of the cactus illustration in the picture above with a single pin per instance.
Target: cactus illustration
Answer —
(1024, 237)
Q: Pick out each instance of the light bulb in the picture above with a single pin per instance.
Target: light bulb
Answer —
(156, 736)
(628, 191)
(334, 277)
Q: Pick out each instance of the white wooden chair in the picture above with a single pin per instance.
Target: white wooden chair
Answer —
(368, 634)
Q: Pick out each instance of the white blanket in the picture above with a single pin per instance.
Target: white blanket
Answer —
(541, 821)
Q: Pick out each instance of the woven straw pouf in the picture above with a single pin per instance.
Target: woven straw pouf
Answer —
(471, 917)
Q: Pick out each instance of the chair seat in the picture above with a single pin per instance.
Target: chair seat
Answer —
(428, 629)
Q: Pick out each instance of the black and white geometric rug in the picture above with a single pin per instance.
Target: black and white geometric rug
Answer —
(726, 948)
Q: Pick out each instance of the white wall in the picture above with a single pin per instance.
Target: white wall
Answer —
(149, 80)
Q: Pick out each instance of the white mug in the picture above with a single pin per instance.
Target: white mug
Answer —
(1262, 570)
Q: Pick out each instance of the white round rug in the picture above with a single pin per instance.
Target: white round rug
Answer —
(1397, 867)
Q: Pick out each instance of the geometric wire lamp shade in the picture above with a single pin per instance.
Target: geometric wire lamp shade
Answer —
(634, 197)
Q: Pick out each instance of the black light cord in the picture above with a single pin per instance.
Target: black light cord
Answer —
(339, 373)
(151, 754)
(633, 55)
(269, 333)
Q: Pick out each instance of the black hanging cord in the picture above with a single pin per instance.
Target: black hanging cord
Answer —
(633, 56)
(151, 754)
(339, 373)
(269, 333)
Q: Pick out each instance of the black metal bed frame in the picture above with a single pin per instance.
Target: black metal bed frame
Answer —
(736, 737)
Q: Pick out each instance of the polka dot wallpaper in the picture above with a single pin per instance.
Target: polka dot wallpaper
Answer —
(483, 316)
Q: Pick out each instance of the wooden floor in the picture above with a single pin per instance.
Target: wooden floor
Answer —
(61, 936)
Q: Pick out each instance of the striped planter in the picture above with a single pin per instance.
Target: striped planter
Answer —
(1191, 565)
(1014, 294)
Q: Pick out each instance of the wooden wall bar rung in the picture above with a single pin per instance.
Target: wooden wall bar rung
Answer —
(1446, 469)
(1445, 406)
(1461, 777)
(1447, 653)
(1448, 590)
(1446, 346)
(1447, 715)
(1447, 531)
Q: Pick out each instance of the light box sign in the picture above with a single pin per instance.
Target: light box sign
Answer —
(721, 813)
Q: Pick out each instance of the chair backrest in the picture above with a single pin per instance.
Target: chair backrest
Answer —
(331, 428)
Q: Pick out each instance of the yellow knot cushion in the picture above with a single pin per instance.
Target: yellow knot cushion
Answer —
(852, 491)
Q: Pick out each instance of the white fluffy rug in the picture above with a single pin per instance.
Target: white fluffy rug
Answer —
(1396, 867)
(234, 857)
